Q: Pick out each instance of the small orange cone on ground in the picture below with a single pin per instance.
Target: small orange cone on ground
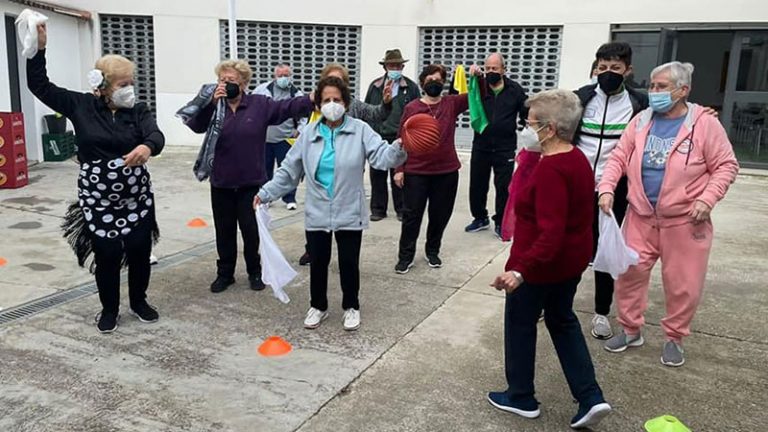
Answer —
(274, 346)
(3, 262)
(197, 223)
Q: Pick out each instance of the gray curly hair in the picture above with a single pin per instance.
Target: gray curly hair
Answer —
(558, 106)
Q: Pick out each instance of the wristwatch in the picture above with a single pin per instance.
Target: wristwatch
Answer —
(517, 276)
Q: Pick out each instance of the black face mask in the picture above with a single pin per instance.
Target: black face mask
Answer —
(233, 90)
(610, 81)
(433, 88)
(493, 78)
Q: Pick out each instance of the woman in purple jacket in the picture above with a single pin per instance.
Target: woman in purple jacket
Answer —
(238, 170)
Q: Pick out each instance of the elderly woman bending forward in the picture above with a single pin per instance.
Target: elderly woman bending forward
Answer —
(331, 153)
(553, 246)
(679, 163)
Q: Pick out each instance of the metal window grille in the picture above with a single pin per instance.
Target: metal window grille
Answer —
(134, 38)
(532, 54)
(307, 48)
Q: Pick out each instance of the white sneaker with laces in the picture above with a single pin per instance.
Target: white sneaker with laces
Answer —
(314, 318)
(291, 206)
(601, 327)
(351, 319)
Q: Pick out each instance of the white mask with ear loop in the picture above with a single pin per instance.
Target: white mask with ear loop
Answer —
(529, 139)
(124, 97)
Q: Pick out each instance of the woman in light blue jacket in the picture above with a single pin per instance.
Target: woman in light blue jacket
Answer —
(331, 154)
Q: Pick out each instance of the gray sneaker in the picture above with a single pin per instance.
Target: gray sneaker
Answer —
(673, 354)
(601, 327)
(621, 342)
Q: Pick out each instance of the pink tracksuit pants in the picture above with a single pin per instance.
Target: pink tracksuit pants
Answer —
(684, 253)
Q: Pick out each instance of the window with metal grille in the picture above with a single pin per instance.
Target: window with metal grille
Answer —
(307, 48)
(532, 54)
(133, 37)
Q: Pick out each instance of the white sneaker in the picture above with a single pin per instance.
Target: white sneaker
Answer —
(291, 206)
(152, 259)
(601, 327)
(314, 318)
(351, 319)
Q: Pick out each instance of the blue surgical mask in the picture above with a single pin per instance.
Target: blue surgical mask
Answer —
(661, 102)
(593, 80)
(394, 75)
(283, 82)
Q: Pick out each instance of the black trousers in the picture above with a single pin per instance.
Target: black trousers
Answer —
(379, 190)
(482, 163)
(604, 281)
(233, 207)
(435, 193)
(348, 250)
(521, 313)
(108, 256)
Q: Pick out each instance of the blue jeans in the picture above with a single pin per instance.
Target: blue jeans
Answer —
(275, 152)
(522, 310)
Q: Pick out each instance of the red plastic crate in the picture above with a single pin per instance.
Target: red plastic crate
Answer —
(14, 177)
(11, 131)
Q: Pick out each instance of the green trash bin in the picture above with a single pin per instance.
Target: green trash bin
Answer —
(59, 147)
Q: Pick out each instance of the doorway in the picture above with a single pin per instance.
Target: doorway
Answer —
(731, 76)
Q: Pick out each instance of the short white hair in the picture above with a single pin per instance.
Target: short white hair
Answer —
(558, 106)
(680, 74)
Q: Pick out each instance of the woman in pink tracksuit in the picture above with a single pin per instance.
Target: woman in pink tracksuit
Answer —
(680, 163)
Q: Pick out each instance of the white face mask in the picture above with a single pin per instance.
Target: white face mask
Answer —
(333, 111)
(124, 97)
(529, 140)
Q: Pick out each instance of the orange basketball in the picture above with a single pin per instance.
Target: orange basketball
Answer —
(421, 134)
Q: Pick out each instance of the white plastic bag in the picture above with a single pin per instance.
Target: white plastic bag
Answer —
(613, 255)
(26, 28)
(275, 270)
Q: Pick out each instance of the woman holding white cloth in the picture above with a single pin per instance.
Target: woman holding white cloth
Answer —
(332, 154)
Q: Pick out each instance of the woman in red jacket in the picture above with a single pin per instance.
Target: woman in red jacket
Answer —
(552, 247)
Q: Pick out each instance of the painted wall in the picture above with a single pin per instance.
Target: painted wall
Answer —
(187, 35)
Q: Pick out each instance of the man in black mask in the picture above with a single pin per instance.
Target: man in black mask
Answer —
(608, 105)
(494, 148)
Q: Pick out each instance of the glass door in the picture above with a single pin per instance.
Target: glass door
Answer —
(745, 110)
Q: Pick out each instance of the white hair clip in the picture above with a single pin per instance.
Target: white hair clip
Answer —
(95, 79)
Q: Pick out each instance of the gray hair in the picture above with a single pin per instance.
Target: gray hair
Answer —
(680, 74)
(558, 106)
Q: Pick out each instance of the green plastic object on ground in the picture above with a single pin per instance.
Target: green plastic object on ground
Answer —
(666, 423)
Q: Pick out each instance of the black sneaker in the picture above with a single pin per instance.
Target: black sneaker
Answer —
(256, 283)
(434, 261)
(304, 260)
(377, 217)
(497, 231)
(145, 313)
(400, 217)
(403, 266)
(107, 322)
(221, 283)
(478, 225)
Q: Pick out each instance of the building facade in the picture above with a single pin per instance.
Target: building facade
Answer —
(177, 43)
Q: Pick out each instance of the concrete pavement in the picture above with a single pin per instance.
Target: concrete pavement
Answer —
(429, 349)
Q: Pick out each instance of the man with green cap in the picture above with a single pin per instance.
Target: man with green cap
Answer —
(404, 91)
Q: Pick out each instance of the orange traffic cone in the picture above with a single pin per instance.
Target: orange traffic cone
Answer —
(274, 346)
(3, 262)
(197, 223)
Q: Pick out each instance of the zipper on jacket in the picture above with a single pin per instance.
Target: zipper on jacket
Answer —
(602, 131)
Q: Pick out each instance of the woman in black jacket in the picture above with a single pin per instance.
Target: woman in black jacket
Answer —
(114, 217)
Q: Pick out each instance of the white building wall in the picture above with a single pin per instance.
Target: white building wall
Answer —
(187, 33)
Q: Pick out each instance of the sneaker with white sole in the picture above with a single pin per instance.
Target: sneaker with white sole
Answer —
(590, 416)
(500, 400)
(403, 266)
(622, 341)
(351, 319)
(314, 318)
(673, 354)
(152, 259)
(106, 322)
(434, 261)
(601, 327)
(291, 206)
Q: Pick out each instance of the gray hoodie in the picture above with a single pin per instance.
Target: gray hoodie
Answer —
(355, 144)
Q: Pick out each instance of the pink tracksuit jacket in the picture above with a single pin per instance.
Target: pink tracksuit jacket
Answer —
(700, 167)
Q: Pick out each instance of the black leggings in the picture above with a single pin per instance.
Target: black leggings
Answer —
(135, 248)
(348, 248)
